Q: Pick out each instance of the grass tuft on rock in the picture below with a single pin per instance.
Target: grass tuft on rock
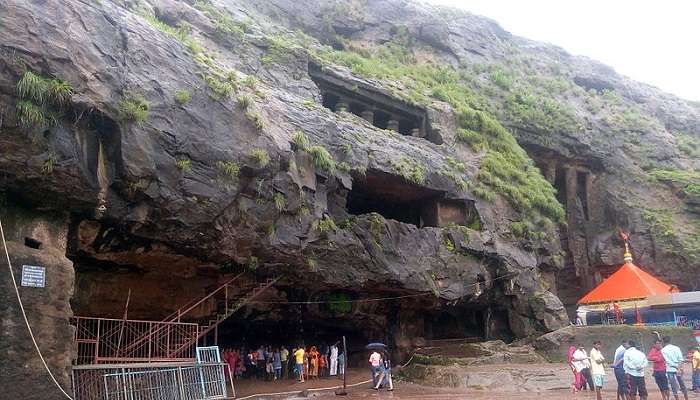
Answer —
(260, 157)
(228, 169)
(134, 108)
(182, 96)
(322, 159)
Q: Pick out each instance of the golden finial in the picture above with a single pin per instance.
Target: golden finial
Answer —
(628, 255)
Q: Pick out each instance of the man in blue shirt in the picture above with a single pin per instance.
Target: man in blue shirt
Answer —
(620, 371)
(674, 367)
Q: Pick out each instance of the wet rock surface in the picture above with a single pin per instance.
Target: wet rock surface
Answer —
(176, 157)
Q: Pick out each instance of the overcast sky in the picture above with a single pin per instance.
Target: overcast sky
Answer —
(657, 42)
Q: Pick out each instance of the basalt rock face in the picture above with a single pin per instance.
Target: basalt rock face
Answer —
(179, 150)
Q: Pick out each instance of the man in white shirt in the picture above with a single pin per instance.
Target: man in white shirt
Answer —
(597, 369)
(583, 366)
(334, 359)
(674, 367)
(634, 363)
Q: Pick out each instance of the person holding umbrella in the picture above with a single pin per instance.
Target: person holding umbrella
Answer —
(375, 360)
(385, 373)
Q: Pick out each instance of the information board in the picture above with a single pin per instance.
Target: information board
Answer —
(33, 276)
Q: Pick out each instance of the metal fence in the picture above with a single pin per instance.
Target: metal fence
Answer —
(105, 340)
(154, 381)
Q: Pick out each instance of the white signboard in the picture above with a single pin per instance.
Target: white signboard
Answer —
(33, 276)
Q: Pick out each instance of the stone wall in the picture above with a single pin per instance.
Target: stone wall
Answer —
(554, 345)
(48, 309)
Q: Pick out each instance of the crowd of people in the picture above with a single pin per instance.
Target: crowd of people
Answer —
(273, 363)
(629, 364)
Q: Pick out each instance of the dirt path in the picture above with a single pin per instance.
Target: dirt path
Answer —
(409, 391)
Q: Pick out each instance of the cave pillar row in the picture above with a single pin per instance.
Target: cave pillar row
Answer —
(38, 240)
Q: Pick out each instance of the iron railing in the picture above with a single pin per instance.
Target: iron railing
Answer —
(153, 381)
(105, 340)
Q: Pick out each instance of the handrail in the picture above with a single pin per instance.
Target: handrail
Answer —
(175, 316)
(76, 317)
(180, 313)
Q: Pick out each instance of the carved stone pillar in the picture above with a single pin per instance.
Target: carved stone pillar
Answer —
(550, 171)
(393, 125)
(571, 188)
(368, 115)
(341, 106)
(589, 193)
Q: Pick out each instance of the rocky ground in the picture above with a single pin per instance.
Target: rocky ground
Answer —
(516, 381)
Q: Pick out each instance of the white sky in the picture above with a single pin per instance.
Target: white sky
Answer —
(657, 42)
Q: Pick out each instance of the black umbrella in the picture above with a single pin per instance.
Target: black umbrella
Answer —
(376, 346)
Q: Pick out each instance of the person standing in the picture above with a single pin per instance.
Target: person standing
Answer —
(299, 359)
(619, 370)
(576, 386)
(674, 367)
(583, 367)
(284, 359)
(597, 369)
(334, 359)
(341, 363)
(696, 369)
(277, 363)
(659, 368)
(375, 360)
(634, 363)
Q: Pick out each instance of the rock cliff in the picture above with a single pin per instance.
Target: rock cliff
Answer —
(377, 147)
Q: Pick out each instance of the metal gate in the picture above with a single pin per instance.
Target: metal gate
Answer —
(203, 381)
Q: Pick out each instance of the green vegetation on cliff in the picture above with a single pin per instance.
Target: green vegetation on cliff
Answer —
(505, 169)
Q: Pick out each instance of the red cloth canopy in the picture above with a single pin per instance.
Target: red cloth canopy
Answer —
(628, 283)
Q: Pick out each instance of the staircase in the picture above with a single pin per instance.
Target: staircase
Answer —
(229, 297)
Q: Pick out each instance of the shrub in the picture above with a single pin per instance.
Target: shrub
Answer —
(47, 167)
(322, 159)
(244, 101)
(218, 89)
(325, 224)
(256, 119)
(134, 108)
(250, 81)
(40, 97)
(300, 140)
(253, 263)
(279, 201)
(260, 156)
(183, 164)
(30, 115)
(182, 97)
(410, 170)
(228, 169)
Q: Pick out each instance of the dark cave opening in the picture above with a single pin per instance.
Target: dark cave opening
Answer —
(32, 243)
(455, 323)
(582, 191)
(393, 198)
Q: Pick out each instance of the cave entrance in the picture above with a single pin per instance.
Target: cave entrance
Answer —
(373, 105)
(394, 198)
(456, 323)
